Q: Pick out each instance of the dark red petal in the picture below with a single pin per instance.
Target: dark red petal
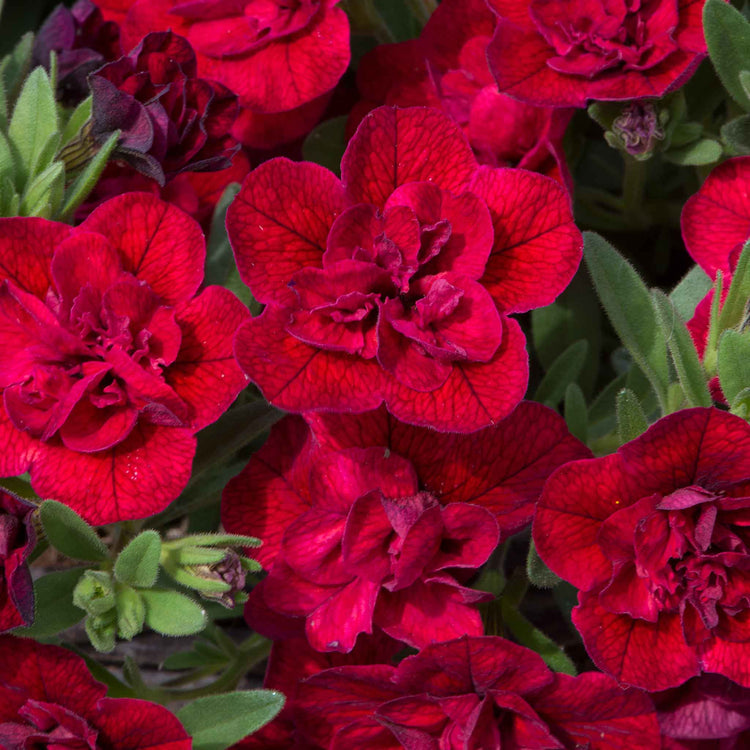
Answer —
(727, 658)
(26, 250)
(537, 246)
(631, 650)
(17, 449)
(297, 377)
(516, 11)
(475, 395)
(577, 498)
(394, 146)
(716, 220)
(137, 478)
(279, 223)
(289, 72)
(157, 242)
(205, 374)
(470, 536)
(272, 490)
(129, 724)
(312, 547)
(705, 447)
(593, 711)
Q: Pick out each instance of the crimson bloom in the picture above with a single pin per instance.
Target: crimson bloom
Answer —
(708, 712)
(367, 522)
(562, 53)
(111, 362)
(394, 284)
(656, 538)
(48, 698)
(482, 692)
(17, 540)
(278, 56)
(170, 120)
(447, 68)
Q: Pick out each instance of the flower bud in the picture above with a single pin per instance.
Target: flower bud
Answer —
(95, 593)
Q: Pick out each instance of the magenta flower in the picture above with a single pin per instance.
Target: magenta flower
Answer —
(656, 539)
(394, 284)
(480, 692)
(563, 53)
(111, 362)
(447, 68)
(49, 699)
(17, 540)
(373, 523)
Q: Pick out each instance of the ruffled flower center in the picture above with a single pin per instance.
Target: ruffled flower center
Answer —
(48, 725)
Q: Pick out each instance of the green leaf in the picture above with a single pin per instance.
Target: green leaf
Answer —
(44, 195)
(326, 143)
(172, 613)
(736, 134)
(131, 612)
(10, 200)
(138, 563)
(15, 66)
(87, 179)
(102, 631)
(631, 420)
(78, 118)
(627, 302)
(34, 120)
(684, 355)
(727, 35)
(219, 256)
(563, 371)
(734, 363)
(684, 133)
(733, 310)
(745, 82)
(53, 604)
(538, 573)
(7, 159)
(575, 412)
(218, 721)
(68, 533)
(693, 287)
(741, 404)
(704, 151)
(45, 156)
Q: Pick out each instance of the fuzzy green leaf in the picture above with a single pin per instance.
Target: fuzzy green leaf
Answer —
(15, 66)
(736, 134)
(218, 721)
(53, 604)
(631, 420)
(219, 256)
(138, 563)
(171, 613)
(727, 34)
(684, 355)
(734, 363)
(563, 371)
(77, 120)
(733, 310)
(692, 288)
(703, 151)
(576, 412)
(44, 195)
(538, 573)
(131, 612)
(68, 533)
(627, 302)
(326, 144)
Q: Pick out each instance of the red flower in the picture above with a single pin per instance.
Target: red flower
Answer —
(48, 698)
(110, 361)
(277, 56)
(394, 284)
(562, 53)
(447, 68)
(170, 120)
(17, 540)
(472, 692)
(656, 539)
(371, 521)
(708, 712)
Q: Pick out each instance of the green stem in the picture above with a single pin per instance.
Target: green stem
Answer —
(633, 192)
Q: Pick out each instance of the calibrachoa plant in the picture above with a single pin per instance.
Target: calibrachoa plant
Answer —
(330, 415)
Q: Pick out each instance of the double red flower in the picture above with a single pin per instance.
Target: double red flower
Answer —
(111, 362)
(656, 538)
(17, 541)
(394, 284)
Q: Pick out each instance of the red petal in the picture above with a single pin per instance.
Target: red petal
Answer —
(452, 23)
(279, 223)
(17, 449)
(394, 146)
(630, 649)
(575, 501)
(727, 658)
(206, 375)
(272, 490)
(475, 395)
(537, 246)
(593, 711)
(26, 250)
(130, 724)
(516, 11)
(312, 547)
(716, 220)
(297, 377)
(470, 536)
(157, 242)
(290, 72)
(137, 478)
